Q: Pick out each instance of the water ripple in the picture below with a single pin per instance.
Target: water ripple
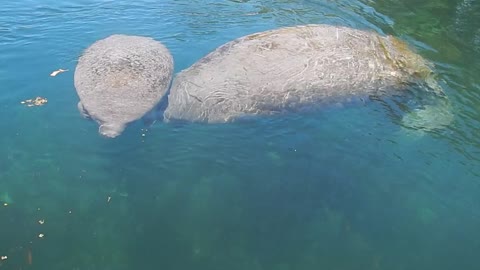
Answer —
(272, 193)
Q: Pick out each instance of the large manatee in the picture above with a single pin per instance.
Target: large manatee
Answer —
(120, 78)
(294, 68)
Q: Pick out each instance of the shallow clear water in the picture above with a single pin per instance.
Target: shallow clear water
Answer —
(345, 188)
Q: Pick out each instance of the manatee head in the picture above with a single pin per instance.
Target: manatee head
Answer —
(434, 112)
(406, 61)
(120, 78)
(429, 117)
(111, 130)
(437, 112)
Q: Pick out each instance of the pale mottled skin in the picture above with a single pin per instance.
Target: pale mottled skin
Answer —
(292, 68)
(120, 78)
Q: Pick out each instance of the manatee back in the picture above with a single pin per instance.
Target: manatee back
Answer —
(120, 78)
(288, 69)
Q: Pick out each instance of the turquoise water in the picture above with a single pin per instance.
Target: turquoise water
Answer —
(345, 188)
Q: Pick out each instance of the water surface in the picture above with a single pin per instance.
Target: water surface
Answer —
(346, 188)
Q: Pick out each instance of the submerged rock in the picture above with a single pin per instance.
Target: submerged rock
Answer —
(292, 69)
(120, 78)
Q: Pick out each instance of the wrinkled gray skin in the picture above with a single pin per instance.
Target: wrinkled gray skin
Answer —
(120, 78)
(292, 68)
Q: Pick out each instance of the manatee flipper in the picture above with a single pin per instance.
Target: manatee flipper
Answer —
(83, 111)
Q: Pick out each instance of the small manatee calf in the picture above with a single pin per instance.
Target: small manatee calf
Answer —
(294, 68)
(120, 78)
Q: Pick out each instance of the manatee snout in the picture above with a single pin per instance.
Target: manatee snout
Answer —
(111, 130)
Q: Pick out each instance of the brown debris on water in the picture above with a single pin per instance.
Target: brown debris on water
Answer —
(29, 257)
